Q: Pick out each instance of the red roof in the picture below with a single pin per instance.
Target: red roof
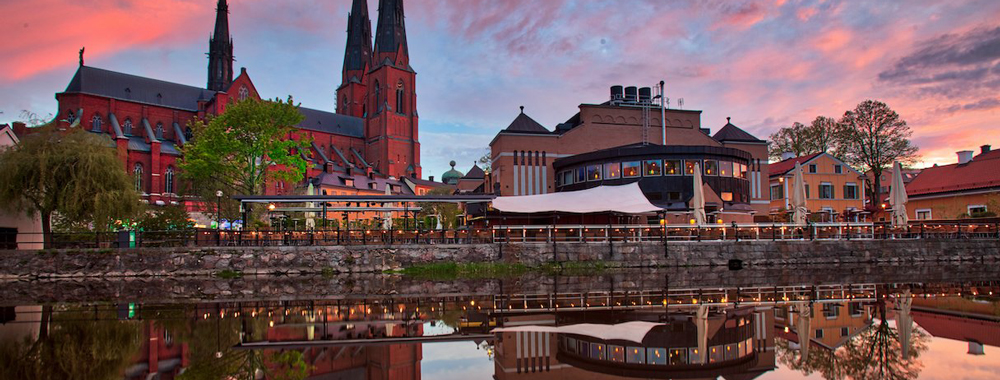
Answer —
(979, 173)
(958, 328)
(782, 167)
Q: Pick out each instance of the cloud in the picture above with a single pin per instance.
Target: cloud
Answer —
(950, 64)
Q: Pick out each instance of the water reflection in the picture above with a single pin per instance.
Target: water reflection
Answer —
(838, 331)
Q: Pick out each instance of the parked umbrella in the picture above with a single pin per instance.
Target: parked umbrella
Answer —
(805, 315)
(904, 322)
(799, 196)
(387, 216)
(701, 324)
(310, 217)
(897, 197)
(698, 200)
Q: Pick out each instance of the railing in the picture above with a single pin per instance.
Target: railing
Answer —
(519, 234)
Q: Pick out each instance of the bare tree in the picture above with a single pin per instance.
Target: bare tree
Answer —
(871, 138)
(800, 140)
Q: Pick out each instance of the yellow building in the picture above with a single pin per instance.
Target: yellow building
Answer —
(833, 188)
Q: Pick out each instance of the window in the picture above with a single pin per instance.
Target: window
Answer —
(777, 192)
(844, 331)
(819, 333)
(826, 191)
(70, 117)
(924, 214)
(694, 356)
(159, 131)
(597, 351)
(137, 174)
(727, 196)
(976, 211)
(711, 167)
(630, 169)
(715, 354)
(855, 309)
(127, 127)
(742, 171)
(616, 353)
(678, 356)
(244, 93)
(812, 168)
(689, 166)
(839, 169)
(581, 175)
(851, 191)
(343, 104)
(831, 310)
(656, 356)
(635, 355)
(613, 170)
(807, 190)
(593, 172)
(726, 168)
(672, 167)
(95, 123)
(168, 180)
(651, 168)
(378, 102)
(400, 98)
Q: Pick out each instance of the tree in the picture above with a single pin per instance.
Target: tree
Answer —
(252, 142)
(447, 212)
(872, 137)
(74, 174)
(819, 136)
(486, 161)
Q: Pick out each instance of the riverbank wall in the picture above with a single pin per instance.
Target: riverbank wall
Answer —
(293, 260)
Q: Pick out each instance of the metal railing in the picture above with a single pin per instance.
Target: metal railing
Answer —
(514, 234)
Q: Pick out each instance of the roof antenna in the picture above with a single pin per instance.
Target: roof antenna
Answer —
(81, 55)
(680, 103)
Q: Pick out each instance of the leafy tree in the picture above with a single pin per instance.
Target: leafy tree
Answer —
(486, 161)
(247, 145)
(74, 174)
(448, 212)
(872, 137)
(819, 136)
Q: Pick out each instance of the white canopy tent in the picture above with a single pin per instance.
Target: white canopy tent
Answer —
(633, 331)
(626, 199)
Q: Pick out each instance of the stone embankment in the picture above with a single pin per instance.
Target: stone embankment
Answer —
(372, 259)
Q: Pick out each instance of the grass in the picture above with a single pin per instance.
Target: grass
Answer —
(452, 271)
(229, 274)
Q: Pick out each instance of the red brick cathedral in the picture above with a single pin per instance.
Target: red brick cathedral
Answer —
(370, 143)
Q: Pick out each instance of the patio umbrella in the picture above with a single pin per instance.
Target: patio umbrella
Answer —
(904, 322)
(701, 324)
(805, 312)
(387, 216)
(698, 200)
(310, 217)
(897, 197)
(799, 196)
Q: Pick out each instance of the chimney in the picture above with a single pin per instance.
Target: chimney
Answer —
(964, 156)
(985, 149)
(787, 155)
(430, 178)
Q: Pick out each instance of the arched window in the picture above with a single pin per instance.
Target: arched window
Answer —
(378, 98)
(137, 173)
(168, 180)
(400, 97)
(343, 104)
(244, 92)
(95, 123)
(159, 131)
(70, 116)
(127, 127)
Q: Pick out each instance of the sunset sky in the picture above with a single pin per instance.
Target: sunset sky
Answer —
(764, 63)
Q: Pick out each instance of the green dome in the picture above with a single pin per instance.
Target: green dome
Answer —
(451, 177)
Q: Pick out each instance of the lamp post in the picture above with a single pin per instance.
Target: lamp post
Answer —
(218, 217)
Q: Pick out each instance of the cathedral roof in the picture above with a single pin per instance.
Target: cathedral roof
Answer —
(329, 122)
(133, 88)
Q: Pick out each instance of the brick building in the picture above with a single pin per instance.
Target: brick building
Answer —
(370, 142)
(621, 141)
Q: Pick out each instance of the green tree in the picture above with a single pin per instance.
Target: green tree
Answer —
(819, 136)
(74, 174)
(872, 137)
(248, 144)
(448, 212)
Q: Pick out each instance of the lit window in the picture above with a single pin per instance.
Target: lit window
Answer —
(656, 356)
(593, 172)
(613, 170)
(630, 169)
(672, 167)
(651, 168)
(689, 166)
(678, 356)
(616, 353)
(727, 197)
(694, 356)
(597, 351)
(726, 168)
(711, 167)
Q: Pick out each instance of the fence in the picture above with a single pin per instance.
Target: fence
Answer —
(514, 235)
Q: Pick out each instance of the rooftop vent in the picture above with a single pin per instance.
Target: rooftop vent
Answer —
(964, 156)
(985, 148)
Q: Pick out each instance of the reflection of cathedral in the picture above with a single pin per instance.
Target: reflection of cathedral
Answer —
(732, 342)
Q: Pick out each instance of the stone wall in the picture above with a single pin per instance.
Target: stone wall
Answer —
(370, 259)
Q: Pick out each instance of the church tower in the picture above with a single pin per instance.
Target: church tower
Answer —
(220, 51)
(391, 123)
(357, 61)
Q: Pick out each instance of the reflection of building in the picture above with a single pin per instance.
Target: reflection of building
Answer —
(830, 325)
(960, 319)
(732, 343)
(620, 141)
(17, 231)
(159, 356)
(969, 188)
(832, 187)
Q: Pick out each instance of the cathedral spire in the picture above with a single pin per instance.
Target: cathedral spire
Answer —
(358, 54)
(390, 36)
(220, 51)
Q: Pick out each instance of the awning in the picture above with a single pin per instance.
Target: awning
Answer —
(626, 199)
(633, 331)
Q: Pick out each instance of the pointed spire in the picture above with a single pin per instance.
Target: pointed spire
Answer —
(220, 51)
(359, 40)
(390, 36)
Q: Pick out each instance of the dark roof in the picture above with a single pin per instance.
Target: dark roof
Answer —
(329, 122)
(111, 84)
(475, 173)
(782, 167)
(358, 51)
(525, 124)
(730, 132)
(980, 173)
(390, 34)
(138, 144)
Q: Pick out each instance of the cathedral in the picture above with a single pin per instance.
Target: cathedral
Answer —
(368, 146)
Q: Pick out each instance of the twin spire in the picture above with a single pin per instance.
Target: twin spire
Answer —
(220, 51)
(390, 38)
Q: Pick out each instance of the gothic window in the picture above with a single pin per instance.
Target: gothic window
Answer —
(137, 173)
(127, 127)
(70, 117)
(378, 99)
(343, 104)
(159, 131)
(95, 123)
(400, 98)
(188, 134)
(244, 92)
(168, 180)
